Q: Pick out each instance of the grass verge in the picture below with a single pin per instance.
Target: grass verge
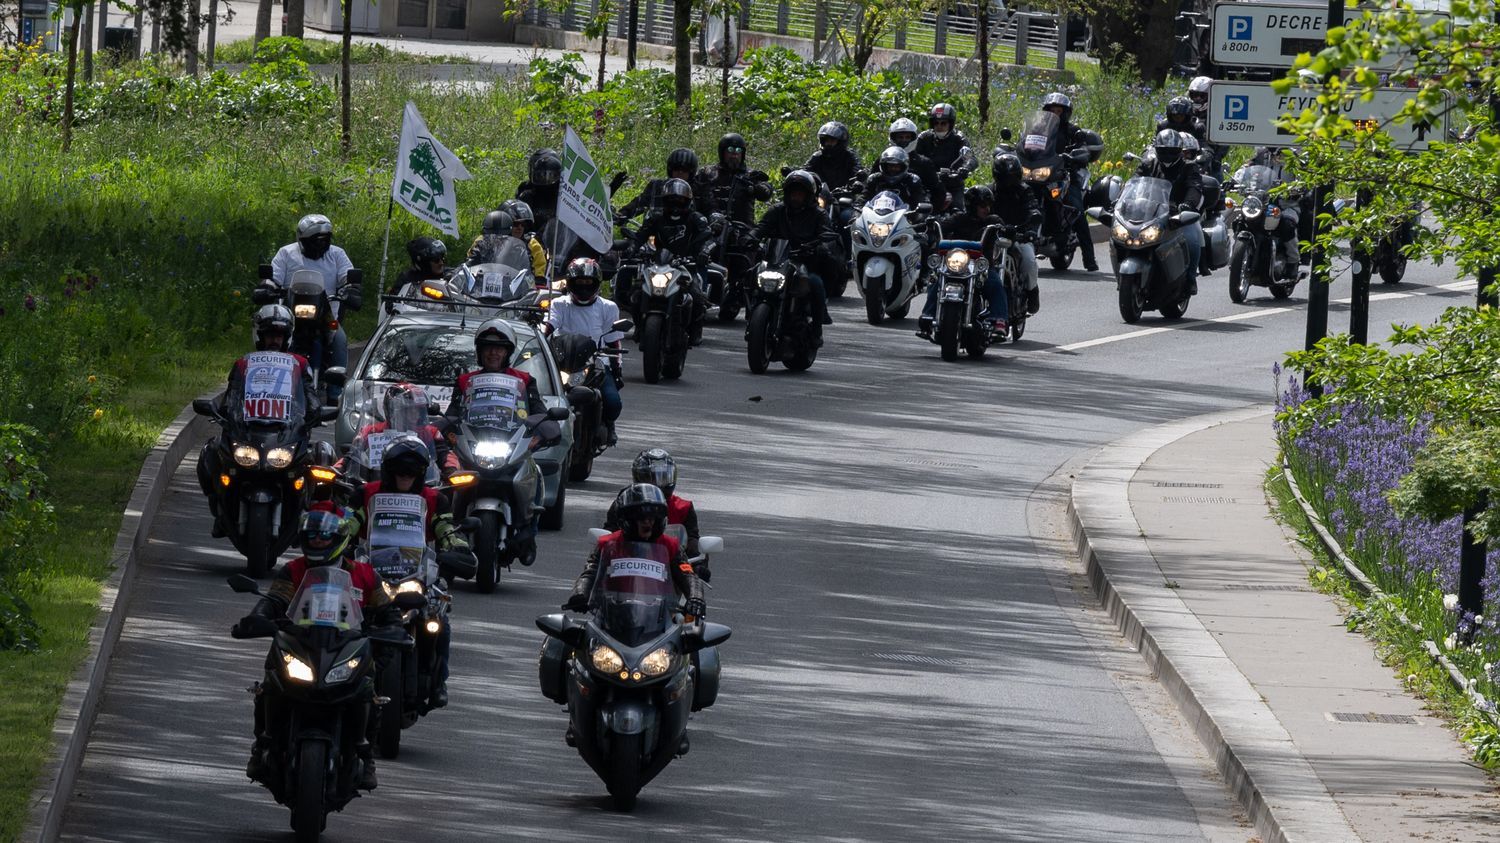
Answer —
(317, 50)
(1397, 645)
(97, 467)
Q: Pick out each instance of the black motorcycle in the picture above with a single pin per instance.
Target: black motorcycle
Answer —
(667, 314)
(729, 289)
(1390, 252)
(1257, 258)
(1148, 249)
(319, 671)
(1048, 169)
(782, 326)
(262, 452)
(584, 366)
(960, 269)
(629, 681)
(313, 323)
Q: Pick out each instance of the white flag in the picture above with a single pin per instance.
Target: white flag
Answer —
(425, 172)
(583, 201)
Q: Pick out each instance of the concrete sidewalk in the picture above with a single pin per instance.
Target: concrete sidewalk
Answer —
(1316, 738)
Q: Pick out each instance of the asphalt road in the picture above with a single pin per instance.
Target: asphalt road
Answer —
(911, 657)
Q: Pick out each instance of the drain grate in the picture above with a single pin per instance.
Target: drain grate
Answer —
(1163, 485)
(1192, 499)
(1245, 586)
(1358, 717)
(912, 658)
(934, 463)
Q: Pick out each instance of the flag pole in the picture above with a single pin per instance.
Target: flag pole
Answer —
(385, 250)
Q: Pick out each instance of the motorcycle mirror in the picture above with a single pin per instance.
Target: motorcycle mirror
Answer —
(265, 295)
(1094, 213)
(205, 407)
(457, 564)
(336, 375)
(1005, 134)
(579, 395)
(924, 207)
(264, 272)
(715, 634)
(1131, 156)
(597, 533)
(623, 326)
(560, 627)
(710, 544)
(410, 600)
(558, 413)
(242, 584)
(785, 171)
(1187, 218)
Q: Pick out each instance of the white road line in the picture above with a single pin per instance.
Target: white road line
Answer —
(1251, 314)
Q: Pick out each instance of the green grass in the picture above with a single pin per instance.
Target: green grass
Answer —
(316, 50)
(1398, 645)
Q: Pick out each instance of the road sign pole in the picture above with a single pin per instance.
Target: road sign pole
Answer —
(1317, 290)
(1359, 305)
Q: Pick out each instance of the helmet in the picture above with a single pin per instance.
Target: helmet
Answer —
(732, 142)
(273, 318)
(1168, 147)
(406, 454)
(642, 500)
(656, 467)
(544, 167)
(979, 195)
(324, 535)
(799, 181)
(314, 235)
(942, 112)
(894, 161)
(520, 212)
(404, 406)
(1006, 169)
(676, 196)
(584, 279)
(495, 332)
(682, 158)
(1190, 146)
(1061, 100)
(1180, 108)
(1198, 90)
(425, 250)
(834, 131)
(903, 133)
(496, 222)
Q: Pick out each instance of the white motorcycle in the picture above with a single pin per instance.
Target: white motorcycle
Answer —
(886, 256)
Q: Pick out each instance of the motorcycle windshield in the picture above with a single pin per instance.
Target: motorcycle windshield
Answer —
(326, 598)
(1039, 138)
(495, 401)
(1256, 179)
(777, 250)
(886, 202)
(1144, 199)
(368, 450)
(270, 393)
(636, 593)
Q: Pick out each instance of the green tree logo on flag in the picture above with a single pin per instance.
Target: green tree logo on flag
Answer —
(424, 161)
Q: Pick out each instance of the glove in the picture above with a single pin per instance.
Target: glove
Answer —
(577, 603)
(703, 572)
(696, 608)
(614, 183)
(1185, 207)
(619, 376)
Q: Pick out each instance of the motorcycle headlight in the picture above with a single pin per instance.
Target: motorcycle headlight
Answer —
(279, 457)
(434, 626)
(1038, 174)
(305, 311)
(296, 668)
(1253, 207)
(1121, 232)
(567, 377)
(410, 586)
(659, 282)
(880, 230)
(247, 455)
(606, 660)
(491, 454)
(657, 662)
(772, 282)
(958, 262)
(342, 672)
(1150, 233)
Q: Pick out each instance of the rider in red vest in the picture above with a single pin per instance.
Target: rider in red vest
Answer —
(656, 467)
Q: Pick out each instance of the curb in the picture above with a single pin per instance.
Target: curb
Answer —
(80, 702)
(1262, 767)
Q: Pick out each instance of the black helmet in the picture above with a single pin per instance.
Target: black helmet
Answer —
(424, 250)
(682, 158)
(836, 132)
(1168, 147)
(732, 142)
(894, 161)
(406, 455)
(979, 195)
(1006, 168)
(314, 235)
(676, 196)
(638, 502)
(324, 535)
(656, 467)
(942, 112)
(495, 332)
(520, 212)
(584, 279)
(1061, 100)
(799, 181)
(545, 167)
(1180, 108)
(497, 222)
(1190, 147)
(273, 318)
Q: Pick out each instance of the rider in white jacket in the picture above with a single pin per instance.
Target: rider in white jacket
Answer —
(582, 311)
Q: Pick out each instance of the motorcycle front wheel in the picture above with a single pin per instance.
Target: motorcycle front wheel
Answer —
(487, 549)
(1132, 300)
(759, 344)
(388, 729)
(652, 337)
(308, 813)
(1393, 269)
(948, 328)
(1241, 270)
(625, 770)
(259, 541)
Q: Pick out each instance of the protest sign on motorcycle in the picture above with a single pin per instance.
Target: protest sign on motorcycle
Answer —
(270, 386)
(495, 400)
(398, 521)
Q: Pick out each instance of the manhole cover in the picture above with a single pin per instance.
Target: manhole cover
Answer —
(1358, 717)
(1244, 586)
(1161, 485)
(912, 658)
(935, 463)
(1191, 499)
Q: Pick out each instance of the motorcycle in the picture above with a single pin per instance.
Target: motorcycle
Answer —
(665, 311)
(500, 483)
(1389, 260)
(839, 204)
(729, 289)
(629, 681)
(584, 366)
(262, 451)
(887, 255)
(320, 670)
(1257, 257)
(501, 272)
(781, 325)
(1148, 249)
(960, 269)
(313, 322)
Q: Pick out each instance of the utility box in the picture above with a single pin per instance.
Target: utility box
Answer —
(328, 16)
(37, 24)
(120, 39)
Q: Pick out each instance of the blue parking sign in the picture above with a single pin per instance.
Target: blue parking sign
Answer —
(1236, 107)
(1241, 27)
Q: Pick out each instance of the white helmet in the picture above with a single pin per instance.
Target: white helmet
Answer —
(313, 225)
(495, 332)
(904, 126)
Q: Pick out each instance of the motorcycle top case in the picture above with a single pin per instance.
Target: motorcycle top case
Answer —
(1217, 237)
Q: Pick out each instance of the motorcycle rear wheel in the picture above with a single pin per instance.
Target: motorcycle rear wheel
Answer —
(947, 329)
(1394, 269)
(260, 556)
(652, 336)
(487, 549)
(974, 342)
(308, 812)
(1176, 308)
(624, 782)
(388, 723)
(759, 346)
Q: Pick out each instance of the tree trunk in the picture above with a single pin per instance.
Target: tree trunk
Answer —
(67, 126)
(294, 17)
(192, 47)
(346, 138)
(103, 25)
(682, 50)
(262, 21)
(603, 51)
(984, 63)
(1147, 32)
(140, 33)
(630, 36)
(87, 37)
(213, 31)
(725, 60)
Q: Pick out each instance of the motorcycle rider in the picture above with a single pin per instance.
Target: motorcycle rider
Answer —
(273, 332)
(405, 408)
(682, 163)
(947, 148)
(893, 173)
(1073, 137)
(1187, 190)
(656, 467)
(685, 233)
(728, 187)
(523, 226)
(1180, 118)
(324, 535)
(834, 162)
(1197, 94)
(1290, 205)
(428, 257)
(1017, 206)
(797, 220)
(539, 191)
(969, 225)
(314, 250)
(585, 312)
(903, 133)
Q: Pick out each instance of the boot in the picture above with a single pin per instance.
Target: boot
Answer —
(570, 737)
(1033, 300)
(684, 746)
(257, 769)
(440, 696)
(924, 327)
(1193, 286)
(366, 778)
